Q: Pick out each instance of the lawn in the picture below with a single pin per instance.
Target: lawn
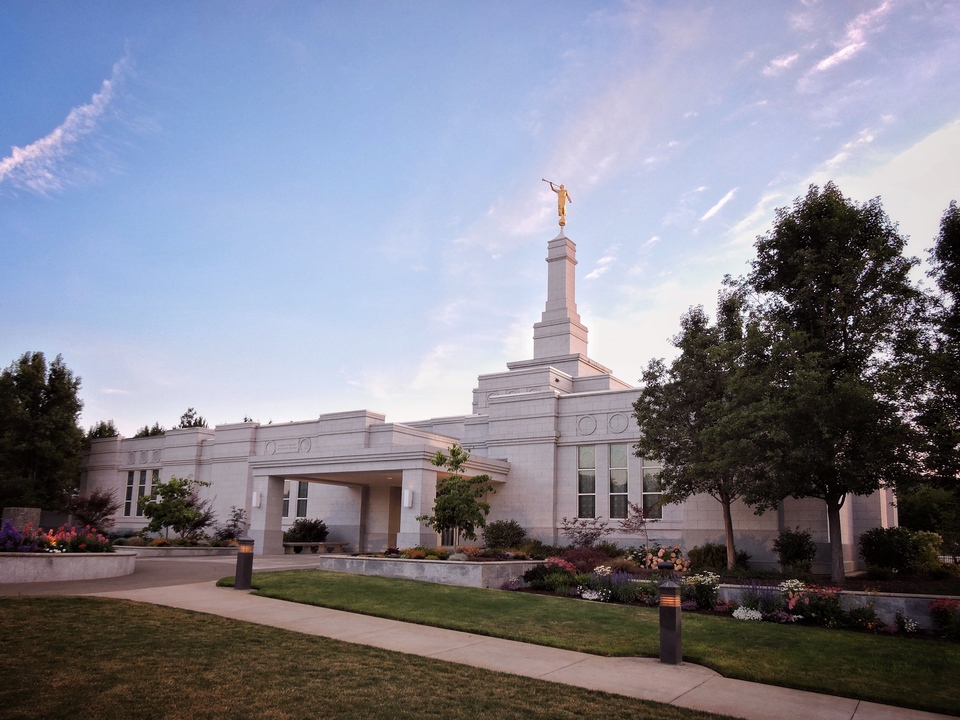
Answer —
(908, 672)
(106, 659)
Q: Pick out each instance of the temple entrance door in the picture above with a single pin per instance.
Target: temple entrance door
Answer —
(393, 517)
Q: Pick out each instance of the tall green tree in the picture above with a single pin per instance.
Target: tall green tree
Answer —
(177, 504)
(190, 419)
(695, 415)
(835, 297)
(939, 407)
(41, 444)
(458, 505)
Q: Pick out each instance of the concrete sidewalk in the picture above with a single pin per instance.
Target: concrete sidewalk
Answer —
(687, 685)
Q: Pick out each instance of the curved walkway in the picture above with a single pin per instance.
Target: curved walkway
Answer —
(191, 585)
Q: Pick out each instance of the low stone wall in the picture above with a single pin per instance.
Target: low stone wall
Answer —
(56, 567)
(146, 552)
(915, 607)
(446, 572)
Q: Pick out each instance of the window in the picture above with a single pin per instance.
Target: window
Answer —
(652, 490)
(131, 505)
(618, 481)
(587, 481)
(302, 499)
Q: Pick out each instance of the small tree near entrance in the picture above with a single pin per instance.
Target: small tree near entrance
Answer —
(458, 507)
(177, 504)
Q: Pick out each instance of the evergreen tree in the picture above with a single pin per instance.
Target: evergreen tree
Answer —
(41, 444)
(190, 419)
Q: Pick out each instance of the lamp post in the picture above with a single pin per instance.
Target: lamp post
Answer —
(244, 570)
(671, 621)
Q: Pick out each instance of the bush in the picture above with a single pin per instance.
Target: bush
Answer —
(900, 550)
(611, 549)
(306, 530)
(585, 559)
(945, 615)
(537, 576)
(504, 534)
(713, 556)
(95, 510)
(702, 589)
(796, 549)
(539, 550)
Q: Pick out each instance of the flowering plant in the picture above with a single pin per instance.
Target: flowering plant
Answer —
(702, 589)
(603, 570)
(62, 540)
(555, 563)
(745, 613)
(650, 556)
(600, 595)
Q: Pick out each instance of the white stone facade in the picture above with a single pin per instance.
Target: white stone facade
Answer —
(369, 479)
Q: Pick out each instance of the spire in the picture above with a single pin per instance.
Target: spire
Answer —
(559, 331)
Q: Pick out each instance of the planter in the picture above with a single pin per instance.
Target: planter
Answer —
(146, 551)
(915, 607)
(491, 574)
(57, 567)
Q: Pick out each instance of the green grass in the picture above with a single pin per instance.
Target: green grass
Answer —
(106, 659)
(908, 672)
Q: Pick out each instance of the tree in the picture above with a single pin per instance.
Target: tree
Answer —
(147, 431)
(458, 505)
(41, 444)
(835, 298)
(103, 429)
(190, 419)
(938, 413)
(96, 510)
(176, 504)
(695, 415)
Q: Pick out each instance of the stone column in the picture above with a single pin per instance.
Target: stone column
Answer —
(421, 486)
(265, 520)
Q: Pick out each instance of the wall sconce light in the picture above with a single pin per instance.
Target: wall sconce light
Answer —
(408, 498)
(256, 499)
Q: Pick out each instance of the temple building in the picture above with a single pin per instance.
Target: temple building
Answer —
(555, 433)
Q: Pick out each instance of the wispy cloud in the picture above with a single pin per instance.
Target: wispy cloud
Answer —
(855, 38)
(39, 166)
(603, 264)
(716, 208)
(778, 65)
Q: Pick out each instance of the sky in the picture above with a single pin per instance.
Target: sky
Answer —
(277, 210)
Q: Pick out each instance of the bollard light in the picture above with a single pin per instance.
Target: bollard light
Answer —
(244, 572)
(671, 620)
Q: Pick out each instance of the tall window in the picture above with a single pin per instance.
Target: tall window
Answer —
(618, 481)
(651, 489)
(302, 499)
(138, 480)
(587, 481)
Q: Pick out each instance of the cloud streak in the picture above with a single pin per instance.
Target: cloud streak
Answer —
(716, 208)
(39, 166)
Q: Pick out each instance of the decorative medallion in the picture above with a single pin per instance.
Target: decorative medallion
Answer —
(143, 457)
(270, 448)
(587, 425)
(131, 458)
(156, 456)
(305, 445)
(618, 423)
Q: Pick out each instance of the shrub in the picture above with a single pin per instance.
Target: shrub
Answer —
(611, 549)
(650, 557)
(796, 549)
(713, 556)
(945, 615)
(584, 532)
(235, 527)
(900, 550)
(306, 530)
(585, 559)
(864, 617)
(539, 550)
(763, 598)
(624, 565)
(821, 606)
(536, 576)
(702, 589)
(95, 510)
(504, 534)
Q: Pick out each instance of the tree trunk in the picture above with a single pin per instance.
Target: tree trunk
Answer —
(725, 501)
(837, 572)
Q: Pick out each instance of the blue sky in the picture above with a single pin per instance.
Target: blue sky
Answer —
(284, 209)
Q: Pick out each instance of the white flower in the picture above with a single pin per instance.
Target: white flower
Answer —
(744, 613)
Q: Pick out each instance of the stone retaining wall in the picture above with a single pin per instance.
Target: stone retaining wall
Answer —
(56, 567)
(446, 572)
(145, 551)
